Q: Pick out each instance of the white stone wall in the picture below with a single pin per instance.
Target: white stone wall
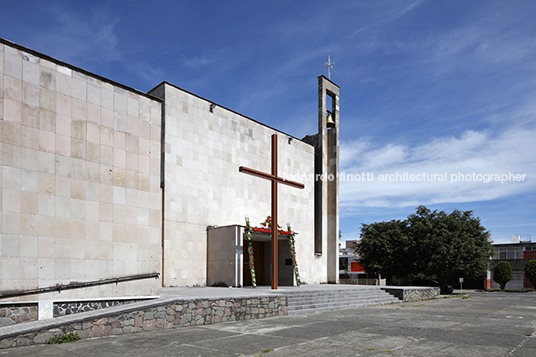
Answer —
(203, 187)
(80, 188)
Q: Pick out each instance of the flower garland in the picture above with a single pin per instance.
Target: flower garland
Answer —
(267, 224)
(293, 253)
(250, 253)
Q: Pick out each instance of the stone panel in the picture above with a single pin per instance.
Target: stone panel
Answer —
(203, 187)
(64, 192)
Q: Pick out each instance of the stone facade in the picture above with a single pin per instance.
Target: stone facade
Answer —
(205, 145)
(80, 179)
(101, 181)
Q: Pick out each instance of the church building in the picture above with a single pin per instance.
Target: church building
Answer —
(108, 192)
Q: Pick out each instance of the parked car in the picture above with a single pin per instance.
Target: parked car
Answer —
(446, 289)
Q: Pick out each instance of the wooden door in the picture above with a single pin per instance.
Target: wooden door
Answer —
(258, 256)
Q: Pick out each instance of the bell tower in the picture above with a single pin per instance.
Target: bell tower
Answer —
(327, 184)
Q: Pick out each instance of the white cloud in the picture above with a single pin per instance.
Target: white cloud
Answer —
(449, 158)
(396, 14)
(489, 41)
(197, 61)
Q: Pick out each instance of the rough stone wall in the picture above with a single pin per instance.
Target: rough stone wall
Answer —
(17, 314)
(414, 294)
(181, 313)
(26, 313)
(69, 308)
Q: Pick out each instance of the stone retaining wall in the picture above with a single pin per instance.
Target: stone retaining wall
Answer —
(413, 293)
(17, 314)
(68, 308)
(166, 316)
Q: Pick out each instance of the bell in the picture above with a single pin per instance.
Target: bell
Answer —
(329, 121)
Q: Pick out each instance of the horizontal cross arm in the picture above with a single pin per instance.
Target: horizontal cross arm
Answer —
(267, 176)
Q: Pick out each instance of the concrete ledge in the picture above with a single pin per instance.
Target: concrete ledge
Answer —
(412, 293)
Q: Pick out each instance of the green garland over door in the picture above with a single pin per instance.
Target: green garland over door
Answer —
(267, 228)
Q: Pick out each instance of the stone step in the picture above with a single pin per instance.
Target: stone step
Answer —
(378, 293)
(292, 300)
(335, 291)
(292, 303)
(316, 301)
(312, 294)
(330, 308)
(340, 304)
(314, 310)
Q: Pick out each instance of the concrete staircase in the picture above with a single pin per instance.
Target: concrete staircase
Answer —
(335, 299)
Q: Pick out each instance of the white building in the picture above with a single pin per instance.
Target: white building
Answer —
(101, 181)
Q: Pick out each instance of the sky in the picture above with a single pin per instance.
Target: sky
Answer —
(441, 90)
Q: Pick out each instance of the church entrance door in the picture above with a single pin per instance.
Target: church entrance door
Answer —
(258, 256)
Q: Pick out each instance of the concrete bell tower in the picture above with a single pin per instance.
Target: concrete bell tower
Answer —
(327, 189)
(326, 143)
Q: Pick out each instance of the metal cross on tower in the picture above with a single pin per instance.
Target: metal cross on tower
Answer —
(329, 66)
(275, 180)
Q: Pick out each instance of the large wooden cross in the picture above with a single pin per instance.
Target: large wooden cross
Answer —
(275, 180)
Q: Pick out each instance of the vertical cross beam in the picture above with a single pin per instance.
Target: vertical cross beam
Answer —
(275, 267)
(275, 181)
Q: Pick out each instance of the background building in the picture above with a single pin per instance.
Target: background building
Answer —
(518, 253)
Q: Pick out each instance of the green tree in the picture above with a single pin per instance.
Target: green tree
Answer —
(450, 244)
(502, 274)
(385, 248)
(530, 272)
(428, 244)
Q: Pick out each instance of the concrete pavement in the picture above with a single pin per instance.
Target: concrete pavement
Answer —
(484, 324)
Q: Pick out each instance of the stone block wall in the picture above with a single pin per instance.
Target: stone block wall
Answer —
(204, 148)
(17, 314)
(69, 308)
(26, 312)
(413, 293)
(79, 179)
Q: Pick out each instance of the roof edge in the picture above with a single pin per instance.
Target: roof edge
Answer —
(231, 110)
(75, 68)
(329, 80)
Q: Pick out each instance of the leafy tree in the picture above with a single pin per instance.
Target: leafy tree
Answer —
(428, 244)
(450, 244)
(530, 272)
(502, 274)
(385, 248)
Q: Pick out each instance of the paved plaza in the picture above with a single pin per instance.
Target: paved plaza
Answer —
(480, 324)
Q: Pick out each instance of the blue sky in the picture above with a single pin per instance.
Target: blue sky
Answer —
(435, 87)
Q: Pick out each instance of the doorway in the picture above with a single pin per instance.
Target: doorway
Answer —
(258, 256)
